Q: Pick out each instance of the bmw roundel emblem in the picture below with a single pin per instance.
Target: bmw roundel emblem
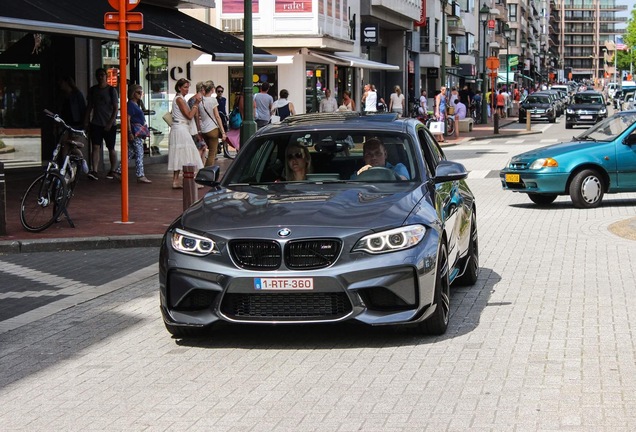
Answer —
(285, 232)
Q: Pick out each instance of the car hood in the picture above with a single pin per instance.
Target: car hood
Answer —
(556, 150)
(535, 105)
(594, 107)
(341, 205)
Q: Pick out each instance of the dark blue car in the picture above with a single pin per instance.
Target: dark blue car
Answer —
(373, 233)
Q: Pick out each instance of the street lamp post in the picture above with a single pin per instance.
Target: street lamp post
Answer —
(484, 12)
(444, 48)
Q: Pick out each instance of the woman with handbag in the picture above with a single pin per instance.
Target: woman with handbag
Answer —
(440, 111)
(137, 132)
(211, 123)
(282, 107)
(181, 148)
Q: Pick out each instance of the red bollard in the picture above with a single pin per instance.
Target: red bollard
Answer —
(190, 193)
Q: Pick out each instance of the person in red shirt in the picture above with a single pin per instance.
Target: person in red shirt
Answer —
(501, 103)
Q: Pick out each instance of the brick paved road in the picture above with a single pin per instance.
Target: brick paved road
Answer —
(544, 341)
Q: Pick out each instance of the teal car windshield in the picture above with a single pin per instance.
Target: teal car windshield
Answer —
(610, 128)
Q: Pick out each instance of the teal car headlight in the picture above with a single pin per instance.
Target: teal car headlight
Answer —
(391, 240)
(193, 244)
(543, 163)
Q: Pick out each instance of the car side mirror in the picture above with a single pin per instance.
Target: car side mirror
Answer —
(630, 140)
(208, 176)
(450, 171)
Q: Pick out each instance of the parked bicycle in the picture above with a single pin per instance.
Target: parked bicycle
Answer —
(48, 197)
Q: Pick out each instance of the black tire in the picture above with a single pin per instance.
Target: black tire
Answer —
(587, 189)
(542, 199)
(471, 262)
(522, 120)
(568, 126)
(43, 202)
(553, 119)
(437, 323)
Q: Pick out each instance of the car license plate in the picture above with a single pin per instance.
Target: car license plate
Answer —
(586, 117)
(283, 283)
(535, 115)
(512, 178)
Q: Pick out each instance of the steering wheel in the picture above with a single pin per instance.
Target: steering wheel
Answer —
(378, 174)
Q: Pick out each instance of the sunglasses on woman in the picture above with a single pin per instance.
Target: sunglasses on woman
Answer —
(295, 156)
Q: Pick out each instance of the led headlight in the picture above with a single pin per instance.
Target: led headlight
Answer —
(392, 240)
(543, 163)
(193, 244)
(569, 111)
(602, 111)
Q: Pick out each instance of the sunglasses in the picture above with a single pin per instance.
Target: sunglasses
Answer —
(219, 91)
(295, 156)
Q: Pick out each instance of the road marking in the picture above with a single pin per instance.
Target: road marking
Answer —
(77, 292)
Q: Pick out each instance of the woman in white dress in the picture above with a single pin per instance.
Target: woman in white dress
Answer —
(181, 148)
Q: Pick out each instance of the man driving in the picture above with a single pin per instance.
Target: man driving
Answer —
(374, 155)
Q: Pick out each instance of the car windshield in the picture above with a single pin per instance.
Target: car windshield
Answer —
(538, 99)
(325, 157)
(588, 98)
(610, 128)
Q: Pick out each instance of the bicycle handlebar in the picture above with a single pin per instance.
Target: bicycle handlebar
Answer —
(59, 120)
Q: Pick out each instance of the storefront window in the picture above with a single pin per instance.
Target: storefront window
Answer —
(261, 75)
(317, 77)
(20, 102)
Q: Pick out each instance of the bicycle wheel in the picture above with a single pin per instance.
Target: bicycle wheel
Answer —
(450, 126)
(228, 151)
(43, 202)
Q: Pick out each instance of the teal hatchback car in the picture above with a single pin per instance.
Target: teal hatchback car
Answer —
(599, 161)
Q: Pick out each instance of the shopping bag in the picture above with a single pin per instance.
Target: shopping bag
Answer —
(275, 119)
(437, 127)
(140, 130)
(167, 117)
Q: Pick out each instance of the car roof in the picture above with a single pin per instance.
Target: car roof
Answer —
(342, 120)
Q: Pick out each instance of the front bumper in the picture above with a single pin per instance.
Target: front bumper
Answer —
(534, 181)
(393, 288)
(584, 119)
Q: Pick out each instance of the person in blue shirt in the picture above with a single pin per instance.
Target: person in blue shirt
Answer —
(374, 155)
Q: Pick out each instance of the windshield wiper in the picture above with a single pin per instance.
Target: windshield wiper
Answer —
(584, 138)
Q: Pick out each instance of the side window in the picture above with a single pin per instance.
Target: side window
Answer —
(430, 158)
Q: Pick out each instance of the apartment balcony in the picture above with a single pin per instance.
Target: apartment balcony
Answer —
(456, 27)
(410, 9)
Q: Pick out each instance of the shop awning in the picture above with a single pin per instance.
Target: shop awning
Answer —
(346, 60)
(162, 26)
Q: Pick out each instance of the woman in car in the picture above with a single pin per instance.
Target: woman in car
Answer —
(298, 163)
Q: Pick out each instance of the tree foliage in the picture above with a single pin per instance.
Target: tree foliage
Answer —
(625, 58)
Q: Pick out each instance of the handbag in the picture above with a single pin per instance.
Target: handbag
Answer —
(140, 130)
(437, 127)
(275, 118)
(167, 117)
(235, 119)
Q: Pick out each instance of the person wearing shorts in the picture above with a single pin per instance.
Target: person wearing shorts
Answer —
(101, 113)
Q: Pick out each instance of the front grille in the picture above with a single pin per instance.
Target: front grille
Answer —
(518, 165)
(311, 254)
(286, 306)
(256, 254)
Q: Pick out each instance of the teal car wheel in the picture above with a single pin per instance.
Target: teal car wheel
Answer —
(587, 189)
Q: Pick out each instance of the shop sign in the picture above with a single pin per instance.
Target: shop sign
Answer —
(432, 73)
(370, 34)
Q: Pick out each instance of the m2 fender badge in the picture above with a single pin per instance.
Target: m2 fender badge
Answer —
(284, 232)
